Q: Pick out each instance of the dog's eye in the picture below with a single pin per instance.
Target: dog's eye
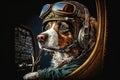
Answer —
(46, 27)
(63, 27)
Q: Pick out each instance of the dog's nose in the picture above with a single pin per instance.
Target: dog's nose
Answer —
(42, 37)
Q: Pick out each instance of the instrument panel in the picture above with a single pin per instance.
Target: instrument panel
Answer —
(25, 52)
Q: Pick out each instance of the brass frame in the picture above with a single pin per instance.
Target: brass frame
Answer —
(94, 64)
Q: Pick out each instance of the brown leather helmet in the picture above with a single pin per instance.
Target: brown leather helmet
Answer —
(74, 13)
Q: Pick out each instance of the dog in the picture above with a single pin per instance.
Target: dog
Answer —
(56, 36)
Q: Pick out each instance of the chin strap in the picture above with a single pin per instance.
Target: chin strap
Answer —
(67, 48)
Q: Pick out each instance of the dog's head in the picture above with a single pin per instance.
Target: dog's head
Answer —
(66, 28)
(56, 35)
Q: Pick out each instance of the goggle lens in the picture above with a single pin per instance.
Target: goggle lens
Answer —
(63, 8)
(44, 9)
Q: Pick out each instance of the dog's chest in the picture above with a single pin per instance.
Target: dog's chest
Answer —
(58, 58)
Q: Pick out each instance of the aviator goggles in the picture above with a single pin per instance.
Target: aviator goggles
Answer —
(60, 8)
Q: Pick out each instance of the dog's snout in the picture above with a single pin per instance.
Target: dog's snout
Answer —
(42, 37)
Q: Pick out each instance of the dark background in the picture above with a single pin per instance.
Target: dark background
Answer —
(26, 12)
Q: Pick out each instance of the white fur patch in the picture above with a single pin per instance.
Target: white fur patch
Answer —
(52, 41)
(58, 58)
